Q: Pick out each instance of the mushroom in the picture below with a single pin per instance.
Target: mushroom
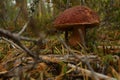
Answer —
(77, 19)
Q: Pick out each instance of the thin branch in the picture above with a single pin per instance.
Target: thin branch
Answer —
(28, 39)
(16, 39)
(12, 43)
(24, 27)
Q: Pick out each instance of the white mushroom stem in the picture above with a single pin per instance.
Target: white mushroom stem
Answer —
(77, 36)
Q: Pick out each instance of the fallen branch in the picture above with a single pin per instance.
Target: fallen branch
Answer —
(71, 58)
(109, 47)
(89, 73)
(16, 39)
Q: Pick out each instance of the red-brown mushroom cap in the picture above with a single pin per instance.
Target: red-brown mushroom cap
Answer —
(78, 15)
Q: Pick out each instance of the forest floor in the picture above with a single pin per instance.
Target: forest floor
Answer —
(100, 61)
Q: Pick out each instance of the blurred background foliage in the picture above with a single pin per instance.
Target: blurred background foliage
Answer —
(41, 14)
(15, 13)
